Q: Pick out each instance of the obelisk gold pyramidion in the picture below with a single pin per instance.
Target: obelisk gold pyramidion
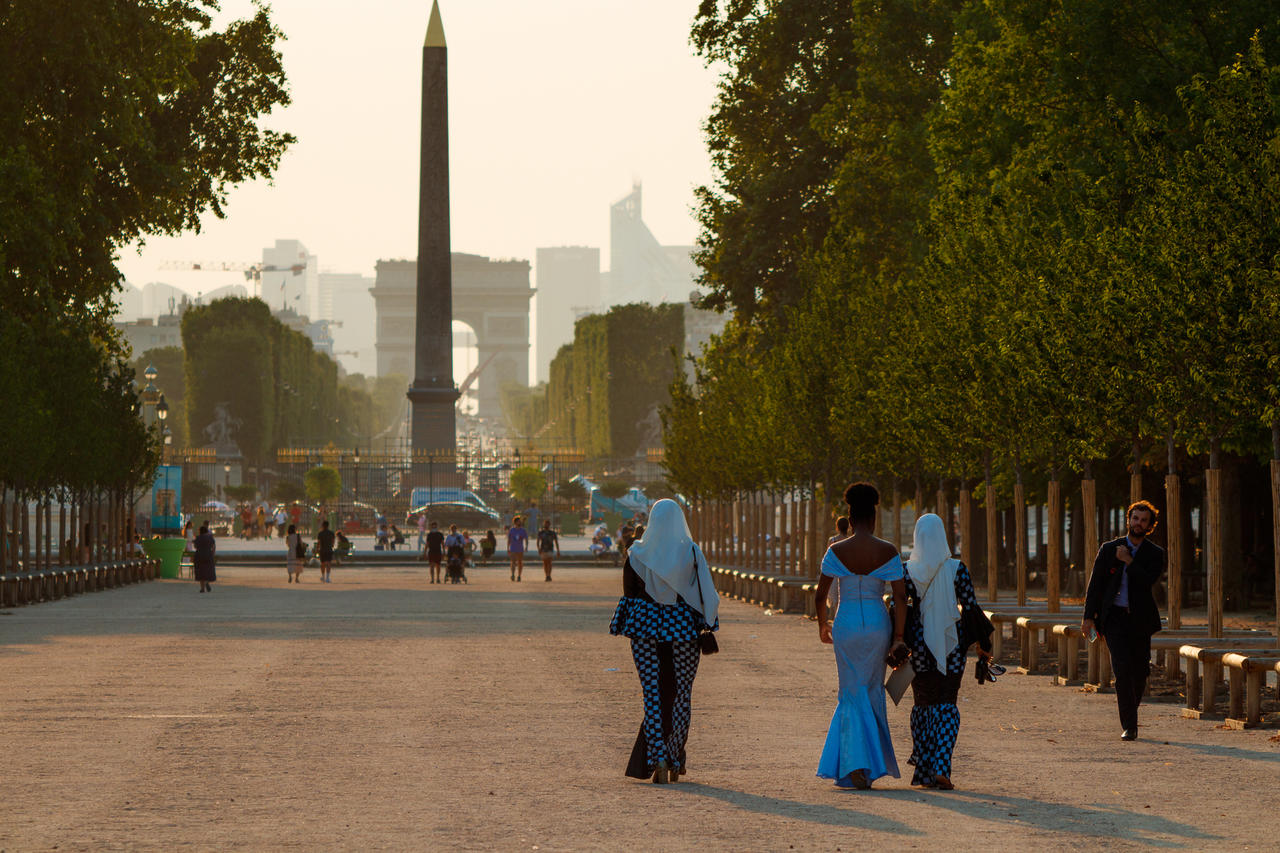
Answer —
(433, 394)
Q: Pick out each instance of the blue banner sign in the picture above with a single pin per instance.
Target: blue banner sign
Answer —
(166, 500)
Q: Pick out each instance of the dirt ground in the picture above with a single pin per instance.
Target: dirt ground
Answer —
(380, 712)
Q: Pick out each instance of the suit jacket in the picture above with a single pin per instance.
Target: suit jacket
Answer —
(1104, 582)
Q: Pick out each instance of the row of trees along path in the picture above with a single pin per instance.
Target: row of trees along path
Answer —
(102, 144)
(1022, 254)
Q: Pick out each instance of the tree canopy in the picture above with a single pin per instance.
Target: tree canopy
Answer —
(1022, 235)
(119, 120)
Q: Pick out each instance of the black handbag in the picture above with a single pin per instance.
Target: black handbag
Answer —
(707, 642)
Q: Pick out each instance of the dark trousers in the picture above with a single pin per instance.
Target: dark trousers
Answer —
(666, 671)
(1130, 647)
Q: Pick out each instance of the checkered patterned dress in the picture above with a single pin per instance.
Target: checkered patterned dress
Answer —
(664, 646)
(935, 726)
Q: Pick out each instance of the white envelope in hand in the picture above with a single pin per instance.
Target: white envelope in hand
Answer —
(896, 685)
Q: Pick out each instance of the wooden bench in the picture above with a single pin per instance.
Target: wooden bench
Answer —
(1248, 667)
(1002, 615)
(1030, 627)
(1248, 675)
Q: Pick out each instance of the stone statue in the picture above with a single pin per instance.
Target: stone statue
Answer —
(649, 430)
(220, 431)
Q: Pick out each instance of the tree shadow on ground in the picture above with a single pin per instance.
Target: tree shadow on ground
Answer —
(823, 813)
(1098, 820)
(1234, 752)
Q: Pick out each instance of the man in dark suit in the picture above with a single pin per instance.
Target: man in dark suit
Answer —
(1119, 603)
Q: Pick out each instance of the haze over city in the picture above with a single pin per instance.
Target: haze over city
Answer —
(555, 109)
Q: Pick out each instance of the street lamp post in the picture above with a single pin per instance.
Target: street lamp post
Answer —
(226, 481)
(150, 396)
(162, 412)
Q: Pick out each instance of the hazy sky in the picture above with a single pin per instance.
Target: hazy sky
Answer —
(555, 108)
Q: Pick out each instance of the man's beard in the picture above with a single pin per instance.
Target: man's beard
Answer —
(1135, 534)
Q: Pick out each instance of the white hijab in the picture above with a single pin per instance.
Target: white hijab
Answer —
(932, 570)
(671, 565)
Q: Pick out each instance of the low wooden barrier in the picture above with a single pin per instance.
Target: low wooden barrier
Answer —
(1008, 615)
(18, 589)
(785, 593)
(1247, 667)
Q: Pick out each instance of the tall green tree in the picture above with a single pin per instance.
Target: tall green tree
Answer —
(812, 97)
(121, 119)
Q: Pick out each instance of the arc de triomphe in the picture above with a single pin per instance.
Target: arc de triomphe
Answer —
(490, 296)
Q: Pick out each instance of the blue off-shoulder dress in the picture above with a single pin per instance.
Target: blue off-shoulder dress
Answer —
(859, 735)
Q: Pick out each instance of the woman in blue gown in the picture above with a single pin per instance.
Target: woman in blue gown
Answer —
(858, 749)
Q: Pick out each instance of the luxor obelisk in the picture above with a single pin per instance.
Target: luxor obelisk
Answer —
(432, 395)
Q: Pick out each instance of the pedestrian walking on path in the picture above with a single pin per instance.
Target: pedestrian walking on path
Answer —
(205, 547)
(324, 550)
(435, 551)
(842, 530)
(296, 551)
(858, 749)
(668, 601)
(517, 544)
(1120, 604)
(943, 620)
(548, 546)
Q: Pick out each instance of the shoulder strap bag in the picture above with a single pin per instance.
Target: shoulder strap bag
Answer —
(707, 642)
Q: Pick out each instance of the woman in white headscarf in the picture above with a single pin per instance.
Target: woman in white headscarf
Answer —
(668, 600)
(943, 620)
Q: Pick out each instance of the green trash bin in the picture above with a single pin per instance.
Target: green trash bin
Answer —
(570, 524)
(169, 552)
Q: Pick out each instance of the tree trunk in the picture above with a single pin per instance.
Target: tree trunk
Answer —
(943, 509)
(1135, 480)
(5, 544)
(993, 541)
(739, 531)
(794, 533)
(897, 517)
(766, 542)
(1213, 541)
(26, 534)
(1020, 538)
(1173, 536)
(810, 553)
(1089, 510)
(48, 532)
(966, 524)
(1275, 528)
(1053, 557)
(917, 505)
(39, 534)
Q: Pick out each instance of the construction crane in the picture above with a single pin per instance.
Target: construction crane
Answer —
(475, 374)
(252, 272)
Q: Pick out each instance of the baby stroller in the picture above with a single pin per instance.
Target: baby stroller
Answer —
(456, 566)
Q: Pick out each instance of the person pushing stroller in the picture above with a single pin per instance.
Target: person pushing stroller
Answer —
(455, 547)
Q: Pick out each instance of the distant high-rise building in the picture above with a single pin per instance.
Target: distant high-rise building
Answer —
(568, 283)
(640, 268)
(348, 307)
(294, 284)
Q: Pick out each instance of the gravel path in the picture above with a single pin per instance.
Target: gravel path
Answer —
(380, 712)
